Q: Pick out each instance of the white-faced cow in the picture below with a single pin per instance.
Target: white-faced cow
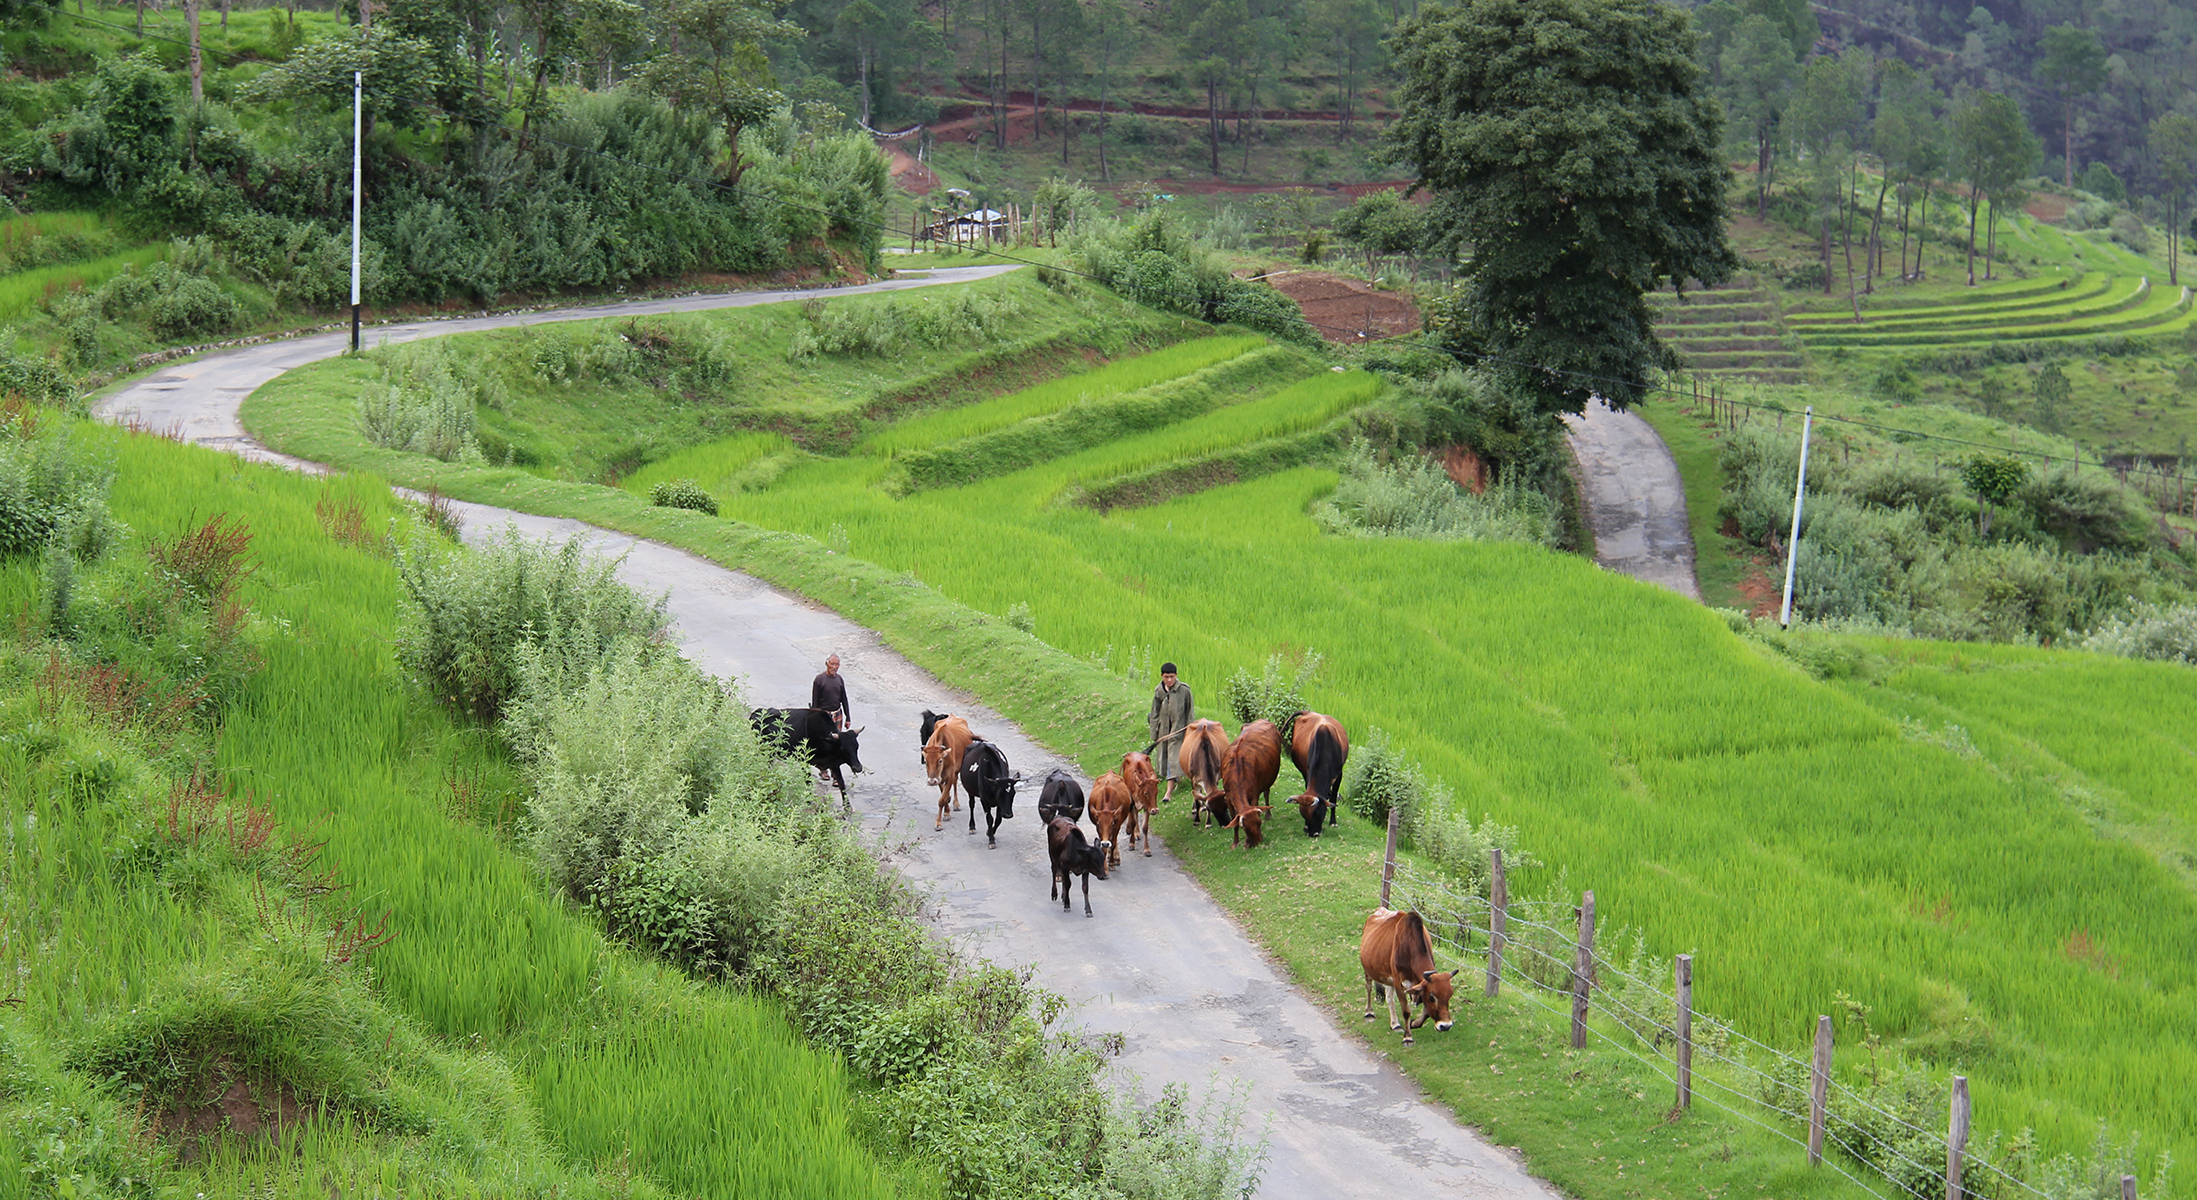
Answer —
(945, 742)
(1247, 775)
(989, 782)
(1319, 747)
(1144, 791)
(1059, 796)
(1111, 806)
(811, 736)
(1204, 747)
(1398, 956)
(1073, 855)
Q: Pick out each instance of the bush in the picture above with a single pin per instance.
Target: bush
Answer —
(51, 490)
(1411, 497)
(2161, 632)
(1275, 694)
(469, 613)
(896, 326)
(683, 493)
(427, 402)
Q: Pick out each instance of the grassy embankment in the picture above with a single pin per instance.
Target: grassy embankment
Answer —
(1803, 842)
(499, 1044)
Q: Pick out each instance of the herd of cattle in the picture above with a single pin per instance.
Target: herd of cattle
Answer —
(1229, 780)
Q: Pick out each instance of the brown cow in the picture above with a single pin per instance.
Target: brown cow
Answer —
(1144, 789)
(1248, 775)
(1204, 748)
(1319, 747)
(1110, 806)
(1398, 955)
(942, 756)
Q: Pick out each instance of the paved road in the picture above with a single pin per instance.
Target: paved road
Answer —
(1164, 966)
(1636, 502)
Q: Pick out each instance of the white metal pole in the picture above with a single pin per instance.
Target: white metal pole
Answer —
(1800, 491)
(358, 88)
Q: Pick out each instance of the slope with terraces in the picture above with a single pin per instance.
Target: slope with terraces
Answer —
(1730, 332)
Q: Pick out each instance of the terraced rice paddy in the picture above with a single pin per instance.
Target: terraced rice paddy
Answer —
(1803, 838)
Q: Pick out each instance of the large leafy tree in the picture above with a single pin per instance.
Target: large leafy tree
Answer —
(1574, 153)
(1758, 72)
(2074, 66)
(2174, 140)
(714, 63)
(1911, 143)
(1993, 150)
(1824, 115)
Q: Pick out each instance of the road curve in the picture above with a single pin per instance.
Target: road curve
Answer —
(1636, 502)
(1193, 997)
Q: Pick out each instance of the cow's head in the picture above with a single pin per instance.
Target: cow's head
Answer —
(849, 752)
(1105, 851)
(1252, 821)
(1433, 992)
(1315, 813)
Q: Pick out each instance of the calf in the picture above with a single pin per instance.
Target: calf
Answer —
(1061, 796)
(1319, 747)
(811, 736)
(1204, 746)
(1111, 805)
(1144, 790)
(1249, 772)
(1398, 956)
(984, 775)
(944, 746)
(1073, 855)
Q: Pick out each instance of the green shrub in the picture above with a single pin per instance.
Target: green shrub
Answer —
(50, 490)
(427, 402)
(683, 493)
(469, 613)
(177, 298)
(1275, 694)
(897, 326)
(39, 380)
(2162, 632)
(1409, 496)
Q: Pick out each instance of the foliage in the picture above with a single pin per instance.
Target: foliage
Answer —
(1155, 262)
(1275, 694)
(427, 402)
(1507, 103)
(897, 327)
(2053, 392)
(1994, 480)
(1382, 225)
(2167, 633)
(1412, 497)
(470, 617)
(683, 493)
(51, 490)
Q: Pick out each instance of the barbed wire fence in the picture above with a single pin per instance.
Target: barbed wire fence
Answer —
(1546, 950)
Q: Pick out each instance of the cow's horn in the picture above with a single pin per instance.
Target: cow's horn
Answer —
(857, 729)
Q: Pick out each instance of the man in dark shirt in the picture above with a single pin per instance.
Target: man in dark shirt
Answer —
(829, 693)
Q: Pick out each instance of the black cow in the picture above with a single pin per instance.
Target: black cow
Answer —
(811, 735)
(1073, 855)
(1061, 796)
(987, 780)
(930, 722)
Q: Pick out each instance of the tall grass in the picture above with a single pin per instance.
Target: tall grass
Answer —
(627, 1067)
(715, 465)
(28, 290)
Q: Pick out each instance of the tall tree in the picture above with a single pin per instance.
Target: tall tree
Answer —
(714, 62)
(865, 28)
(1992, 149)
(2174, 141)
(2074, 66)
(1908, 141)
(1795, 19)
(1574, 147)
(1213, 33)
(1759, 72)
(1110, 28)
(1825, 113)
(1352, 30)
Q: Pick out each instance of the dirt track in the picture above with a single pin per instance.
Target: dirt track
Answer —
(1194, 998)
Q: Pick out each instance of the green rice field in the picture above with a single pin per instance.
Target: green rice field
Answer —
(1803, 837)
(499, 1046)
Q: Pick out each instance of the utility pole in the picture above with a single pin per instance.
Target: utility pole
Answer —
(1800, 491)
(358, 90)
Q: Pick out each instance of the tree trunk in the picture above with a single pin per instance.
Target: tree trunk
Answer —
(224, 14)
(141, 18)
(863, 55)
(2068, 104)
(1990, 237)
(1873, 260)
(1213, 120)
(366, 18)
(1974, 198)
(1762, 173)
(1824, 224)
(198, 58)
(1037, 79)
(1922, 227)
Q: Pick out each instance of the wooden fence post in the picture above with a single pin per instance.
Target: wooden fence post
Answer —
(1388, 860)
(1498, 918)
(1684, 970)
(1956, 1139)
(2128, 1187)
(1819, 1090)
(1582, 972)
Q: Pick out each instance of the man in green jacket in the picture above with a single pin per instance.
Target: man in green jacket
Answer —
(1171, 715)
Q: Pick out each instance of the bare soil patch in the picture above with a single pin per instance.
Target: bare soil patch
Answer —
(231, 1102)
(1347, 310)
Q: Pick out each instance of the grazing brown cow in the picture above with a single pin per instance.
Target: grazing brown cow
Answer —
(1204, 747)
(942, 754)
(1398, 955)
(1110, 805)
(1319, 747)
(1247, 776)
(1144, 789)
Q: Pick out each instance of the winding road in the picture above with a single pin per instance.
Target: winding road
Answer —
(1636, 502)
(1194, 998)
